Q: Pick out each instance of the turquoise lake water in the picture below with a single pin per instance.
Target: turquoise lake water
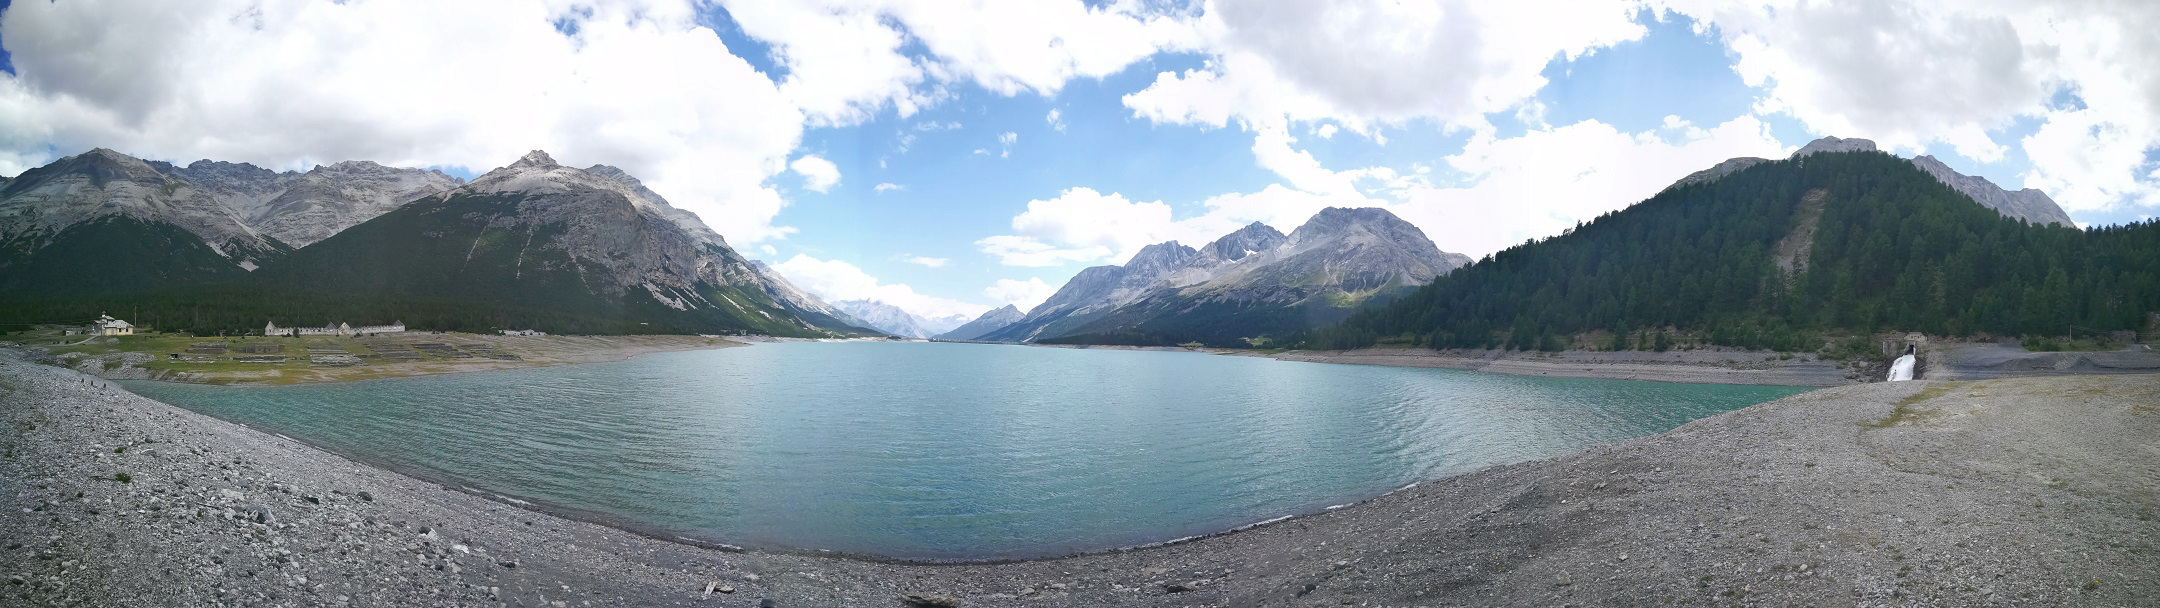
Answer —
(955, 451)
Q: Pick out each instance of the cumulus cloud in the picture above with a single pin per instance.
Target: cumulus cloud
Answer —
(1056, 122)
(1012, 250)
(1363, 62)
(1079, 225)
(1024, 295)
(926, 261)
(848, 59)
(1005, 142)
(835, 280)
(292, 83)
(1547, 180)
(887, 187)
(1915, 73)
(817, 173)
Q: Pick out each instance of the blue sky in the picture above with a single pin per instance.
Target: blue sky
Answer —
(907, 152)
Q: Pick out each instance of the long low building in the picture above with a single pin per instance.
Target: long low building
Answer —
(339, 329)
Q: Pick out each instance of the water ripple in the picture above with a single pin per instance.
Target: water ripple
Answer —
(956, 451)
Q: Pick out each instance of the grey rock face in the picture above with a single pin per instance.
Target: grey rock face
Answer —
(983, 325)
(245, 188)
(1834, 144)
(331, 198)
(1253, 238)
(40, 202)
(1341, 250)
(610, 222)
(2030, 205)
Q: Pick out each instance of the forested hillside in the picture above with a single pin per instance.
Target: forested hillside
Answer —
(1776, 256)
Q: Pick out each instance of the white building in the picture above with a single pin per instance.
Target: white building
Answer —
(108, 326)
(338, 329)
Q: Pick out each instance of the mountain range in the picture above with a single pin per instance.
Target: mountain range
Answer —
(1241, 288)
(895, 321)
(536, 244)
(530, 245)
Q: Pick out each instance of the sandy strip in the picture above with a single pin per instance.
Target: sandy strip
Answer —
(2032, 491)
(1706, 366)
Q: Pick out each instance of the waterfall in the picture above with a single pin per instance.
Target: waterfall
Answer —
(1901, 370)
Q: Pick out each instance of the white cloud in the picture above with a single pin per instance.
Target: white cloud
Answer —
(292, 83)
(843, 62)
(1029, 251)
(1079, 225)
(1363, 62)
(1024, 295)
(1006, 140)
(1056, 122)
(835, 280)
(925, 261)
(1547, 180)
(1913, 73)
(887, 187)
(769, 250)
(1326, 131)
(845, 58)
(817, 173)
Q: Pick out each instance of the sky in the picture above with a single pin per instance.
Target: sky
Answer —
(952, 156)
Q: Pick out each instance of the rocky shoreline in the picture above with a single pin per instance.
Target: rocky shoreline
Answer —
(1702, 366)
(2029, 491)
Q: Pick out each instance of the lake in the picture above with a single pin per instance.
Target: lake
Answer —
(954, 451)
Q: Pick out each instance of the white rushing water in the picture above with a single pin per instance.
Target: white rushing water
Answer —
(1901, 370)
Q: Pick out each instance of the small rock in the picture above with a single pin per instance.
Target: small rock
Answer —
(364, 495)
(1563, 580)
(1180, 587)
(260, 514)
(768, 603)
(725, 589)
(750, 577)
(312, 500)
(928, 600)
(508, 563)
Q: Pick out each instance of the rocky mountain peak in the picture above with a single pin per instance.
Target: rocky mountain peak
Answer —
(536, 158)
(1835, 144)
(1253, 238)
(1161, 256)
(229, 170)
(2028, 204)
(1338, 222)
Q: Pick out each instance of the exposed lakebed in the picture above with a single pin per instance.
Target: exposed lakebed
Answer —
(955, 451)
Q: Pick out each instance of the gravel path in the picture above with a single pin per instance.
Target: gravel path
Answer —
(2031, 491)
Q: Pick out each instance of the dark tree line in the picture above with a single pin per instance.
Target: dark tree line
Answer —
(1892, 249)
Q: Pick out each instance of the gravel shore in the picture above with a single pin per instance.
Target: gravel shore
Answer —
(2027, 491)
(1701, 366)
